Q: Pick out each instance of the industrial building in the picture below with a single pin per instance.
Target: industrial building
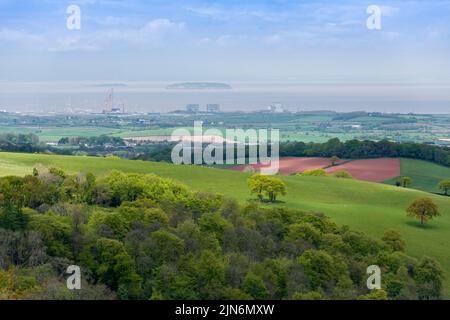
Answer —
(213, 108)
(192, 108)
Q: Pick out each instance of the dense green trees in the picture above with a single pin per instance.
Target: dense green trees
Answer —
(12, 201)
(20, 142)
(96, 141)
(393, 239)
(428, 277)
(113, 266)
(145, 237)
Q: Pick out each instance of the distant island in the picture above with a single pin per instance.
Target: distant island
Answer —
(110, 85)
(199, 86)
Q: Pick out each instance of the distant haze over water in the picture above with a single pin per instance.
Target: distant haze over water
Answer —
(155, 97)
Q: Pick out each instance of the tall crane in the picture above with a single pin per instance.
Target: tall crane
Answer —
(109, 101)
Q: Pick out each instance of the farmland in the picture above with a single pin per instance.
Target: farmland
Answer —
(317, 126)
(291, 165)
(425, 175)
(364, 206)
(375, 170)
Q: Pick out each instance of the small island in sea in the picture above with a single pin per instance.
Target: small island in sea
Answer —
(199, 86)
(110, 85)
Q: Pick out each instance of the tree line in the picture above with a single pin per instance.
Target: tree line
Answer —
(352, 149)
(334, 148)
(356, 149)
(95, 141)
(20, 142)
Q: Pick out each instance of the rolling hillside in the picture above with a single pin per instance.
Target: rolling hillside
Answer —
(364, 206)
(425, 175)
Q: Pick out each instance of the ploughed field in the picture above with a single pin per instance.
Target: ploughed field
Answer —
(374, 170)
(425, 175)
(365, 206)
(291, 165)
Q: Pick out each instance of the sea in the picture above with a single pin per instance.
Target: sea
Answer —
(151, 97)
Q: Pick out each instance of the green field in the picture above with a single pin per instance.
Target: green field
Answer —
(53, 134)
(425, 175)
(364, 206)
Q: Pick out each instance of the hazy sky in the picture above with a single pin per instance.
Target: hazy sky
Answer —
(306, 41)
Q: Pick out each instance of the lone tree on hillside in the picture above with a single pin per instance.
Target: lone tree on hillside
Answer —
(405, 181)
(269, 186)
(444, 185)
(334, 160)
(423, 209)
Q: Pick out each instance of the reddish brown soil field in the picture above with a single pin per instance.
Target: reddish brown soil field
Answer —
(291, 165)
(375, 170)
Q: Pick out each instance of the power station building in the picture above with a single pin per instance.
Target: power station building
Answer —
(213, 108)
(192, 108)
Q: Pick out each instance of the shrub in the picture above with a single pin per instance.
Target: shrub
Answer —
(342, 174)
(314, 173)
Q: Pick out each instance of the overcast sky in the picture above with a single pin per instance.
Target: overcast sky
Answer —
(306, 41)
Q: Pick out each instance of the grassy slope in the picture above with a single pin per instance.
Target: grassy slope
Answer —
(364, 206)
(425, 175)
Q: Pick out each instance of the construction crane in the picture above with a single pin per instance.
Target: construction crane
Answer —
(109, 107)
(109, 101)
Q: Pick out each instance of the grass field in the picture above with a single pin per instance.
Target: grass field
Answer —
(364, 206)
(53, 134)
(425, 175)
